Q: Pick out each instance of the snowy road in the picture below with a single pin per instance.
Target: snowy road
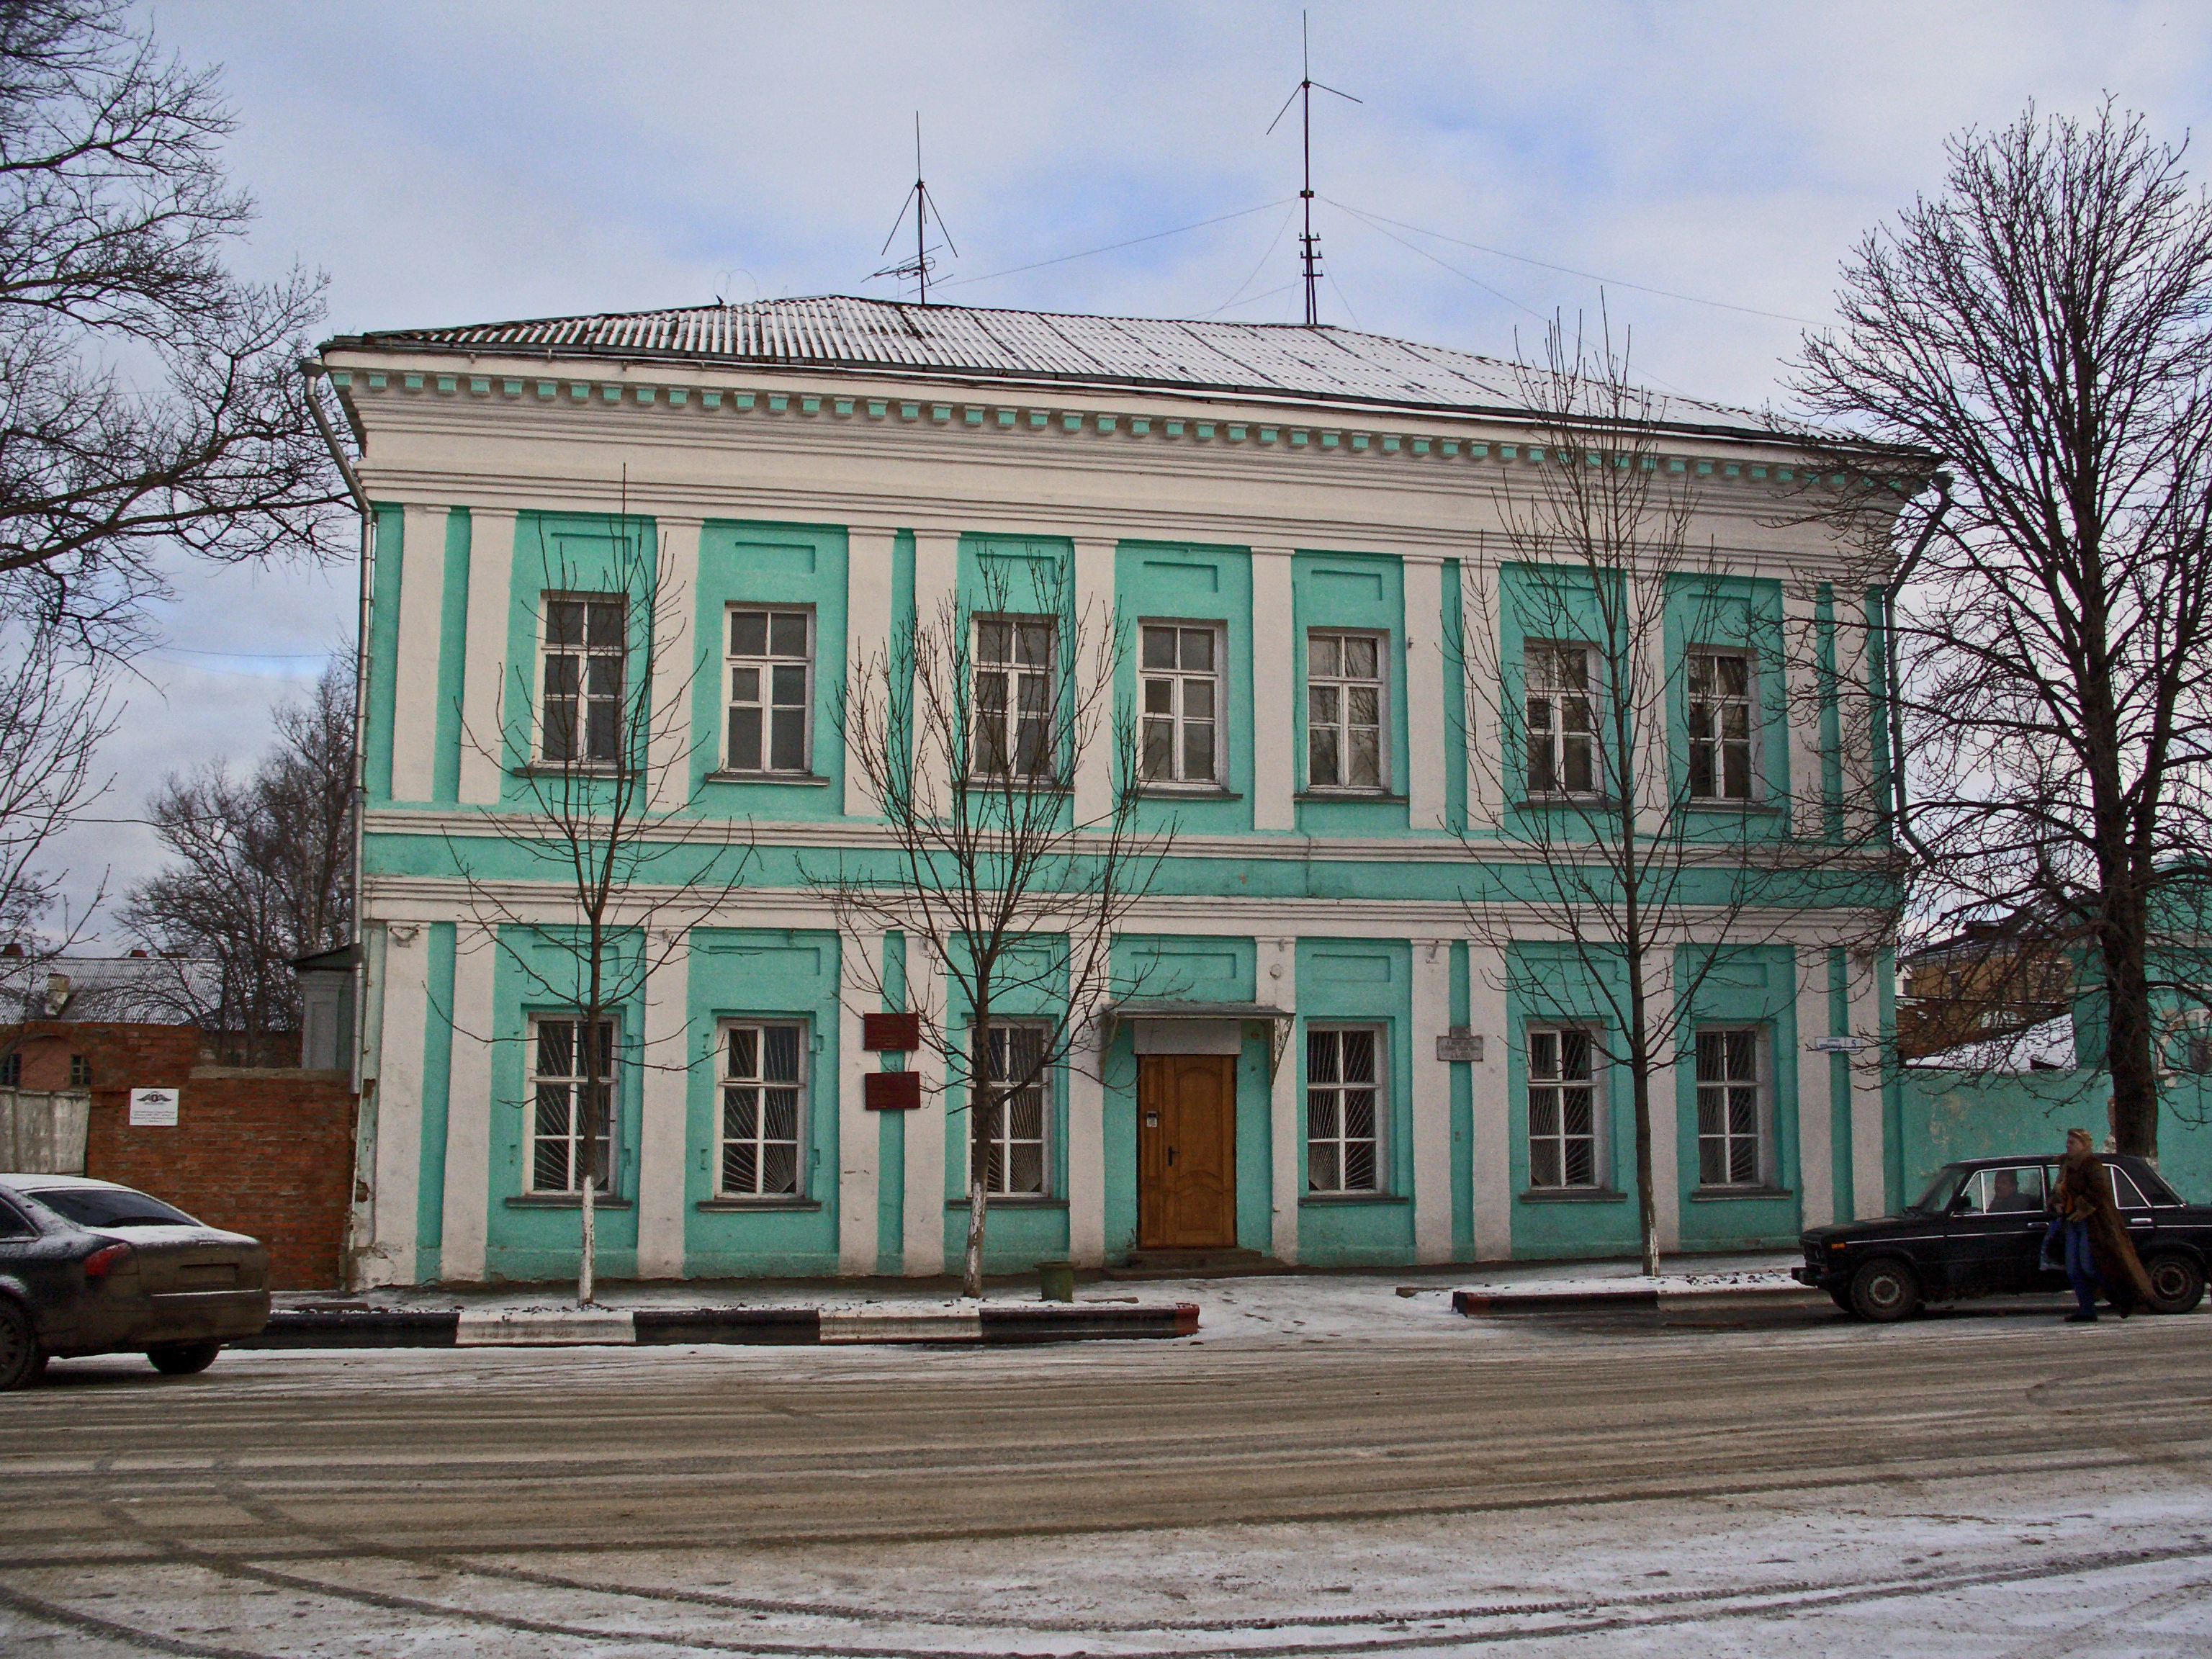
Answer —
(1981, 1485)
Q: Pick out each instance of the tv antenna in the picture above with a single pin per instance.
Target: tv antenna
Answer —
(925, 211)
(1309, 244)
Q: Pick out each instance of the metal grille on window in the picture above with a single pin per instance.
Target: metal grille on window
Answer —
(1720, 725)
(770, 663)
(1562, 1110)
(762, 1091)
(1013, 1129)
(1013, 698)
(1728, 1108)
(1344, 711)
(1341, 1111)
(1181, 712)
(583, 682)
(1561, 756)
(557, 1086)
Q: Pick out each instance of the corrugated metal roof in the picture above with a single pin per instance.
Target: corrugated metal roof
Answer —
(1270, 359)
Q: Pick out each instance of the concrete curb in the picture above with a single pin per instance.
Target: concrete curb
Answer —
(1647, 1298)
(566, 1328)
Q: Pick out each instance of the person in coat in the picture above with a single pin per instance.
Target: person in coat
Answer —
(2097, 1244)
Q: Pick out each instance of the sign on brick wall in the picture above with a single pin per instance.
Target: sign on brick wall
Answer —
(153, 1108)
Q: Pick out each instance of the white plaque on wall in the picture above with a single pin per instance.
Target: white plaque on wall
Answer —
(153, 1108)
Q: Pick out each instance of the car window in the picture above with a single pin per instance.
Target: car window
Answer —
(2125, 1193)
(2003, 1191)
(2152, 1186)
(1939, 1191)
(13, 1224)
(110, 1206)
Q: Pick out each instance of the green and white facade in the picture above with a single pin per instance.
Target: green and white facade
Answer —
(1277, 490)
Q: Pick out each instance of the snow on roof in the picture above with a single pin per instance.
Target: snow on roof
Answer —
(2046, 1047)
(1273, 359)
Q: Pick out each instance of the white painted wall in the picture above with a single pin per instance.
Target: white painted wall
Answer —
(468, 1107)
(484, 689)
(414, 693)
(1491, 1148)
(1431, 1093)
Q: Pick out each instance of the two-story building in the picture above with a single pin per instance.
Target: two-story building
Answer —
(1288, 519)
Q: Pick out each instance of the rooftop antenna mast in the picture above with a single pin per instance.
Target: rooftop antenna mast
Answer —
(1309, 244)
(925, 211)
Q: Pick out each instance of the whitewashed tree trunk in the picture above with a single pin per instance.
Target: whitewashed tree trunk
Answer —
(971, 1270)
(584, 1285)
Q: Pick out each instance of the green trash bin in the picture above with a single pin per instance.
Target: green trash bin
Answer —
(1057, 1281)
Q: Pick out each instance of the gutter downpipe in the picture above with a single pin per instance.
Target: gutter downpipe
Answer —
(1896, 720)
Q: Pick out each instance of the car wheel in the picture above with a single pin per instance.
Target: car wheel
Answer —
(183, 1359)
(22, 1359)
(1842, 1299)
(2177, 1283)
(1885, 1292)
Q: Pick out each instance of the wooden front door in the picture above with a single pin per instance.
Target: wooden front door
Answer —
(1187, 1152)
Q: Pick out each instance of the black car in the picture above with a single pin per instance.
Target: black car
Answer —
(88, 1267)
(1978, 1231)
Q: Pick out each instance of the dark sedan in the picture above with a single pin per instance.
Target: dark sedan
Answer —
(1978, 1231)
(88, 1267)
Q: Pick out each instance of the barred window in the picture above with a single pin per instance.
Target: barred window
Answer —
(763, 1108)
(1562, 1109)
(1011, 1126)
(771, 668)
(1183, 703)
(560, 1103)
(1720, 725)
(80, 1070)
(1730, 1108)
(582, 677)
(1343, 1108)
(1344, 710)
(1013, 700)
(1562, 755)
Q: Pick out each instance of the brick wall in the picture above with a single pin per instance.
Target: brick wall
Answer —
(264, 1152)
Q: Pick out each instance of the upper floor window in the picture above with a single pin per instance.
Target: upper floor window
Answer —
(80, 1070)
(1012, 1126)
(771, 667)
(564, 1096)
(582, 716)
(1344, 1080)
(1344, 710)
(1562, 1109)
(1731, 1109)
(1720, 725)
(1562, 725)
(1014, 702)
(11, 1071)
(1183, 703)
(763, 1108)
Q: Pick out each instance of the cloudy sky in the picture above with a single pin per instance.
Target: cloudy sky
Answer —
(1704, 167)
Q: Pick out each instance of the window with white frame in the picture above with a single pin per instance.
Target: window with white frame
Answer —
(1562, 1108)
(771, 674)
(561, 1096)
(1720, 725)
(1731, 1107)
(1344, 1085)
(1561, 719)
(1182, 679)
(1013, 698)
(763, 1086)
(581, 716)
(1344, 710)
(1010, 1124)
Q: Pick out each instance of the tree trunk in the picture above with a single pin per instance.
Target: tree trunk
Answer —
(584, 1285)
(1647, 1206)
(972, 1269)
(2128, 1058)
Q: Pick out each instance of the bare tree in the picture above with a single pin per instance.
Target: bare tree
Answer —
(260, 877)
(146, 397)
(603, 751)
(54, 713)
(2045, 326)
(1607, 637)
(966, 730)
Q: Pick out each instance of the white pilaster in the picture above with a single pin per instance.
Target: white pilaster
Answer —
(1087, 1154)
(923, 1235)
(681, 655)
(1424, 693)
(936, 585)
(1801, 647)
(1869, 1187)
(857, 1175)
(1287, 1112)
(1094, 612)
(1431, 1094)
(867, 635)
(468, 1109)
(1816, 1198)
(1854, 712)
(399, 1104)
(664, 1106)
(1482, 687)
(1652, 763)
(415, 677)
(1666, 1111)
(483, 653)
(1491, 1146)
(1275, 720)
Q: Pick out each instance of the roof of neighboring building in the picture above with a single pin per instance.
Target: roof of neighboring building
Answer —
(138, 987)
(1276, 360)
(2047, 1046)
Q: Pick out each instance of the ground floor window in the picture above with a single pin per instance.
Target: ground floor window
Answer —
(1010, 1127)
(763, 1108)
(563, 1098)
(1562, 1109)
(1731, 1109)
(1343, 1081)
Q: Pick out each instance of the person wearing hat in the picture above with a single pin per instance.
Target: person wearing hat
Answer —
(2097, 1245)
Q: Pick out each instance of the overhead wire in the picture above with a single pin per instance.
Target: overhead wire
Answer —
(1113, 247)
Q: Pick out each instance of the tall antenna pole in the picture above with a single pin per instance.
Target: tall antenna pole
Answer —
(1309, 244)
(925, 209)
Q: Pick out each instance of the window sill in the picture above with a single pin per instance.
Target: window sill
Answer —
(554, 769)
(740, 1205)
(1329, 1200)
(1573, 1195)
(794, 780)
(1557, 802)
(983, 783)
(1186, 792)
(1755, 809)
(1725, 1195)
(1010, 1201)
(1374, 797)
(563, 1201)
